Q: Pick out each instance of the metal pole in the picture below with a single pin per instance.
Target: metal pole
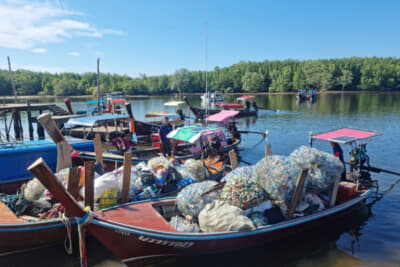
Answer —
(12, 79)
(206, 62)
(98, 85)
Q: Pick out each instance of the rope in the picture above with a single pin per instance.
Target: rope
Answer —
(82, 222)
(68, 238)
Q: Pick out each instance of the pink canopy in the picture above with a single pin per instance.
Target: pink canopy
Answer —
(222, 116)
(345, 135)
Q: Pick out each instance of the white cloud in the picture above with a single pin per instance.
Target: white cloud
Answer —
(75, 54)
(39, 50)
(26, 24)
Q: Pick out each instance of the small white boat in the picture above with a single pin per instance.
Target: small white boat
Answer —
(212, 97)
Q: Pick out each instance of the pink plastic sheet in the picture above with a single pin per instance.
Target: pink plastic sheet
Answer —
(345, 135)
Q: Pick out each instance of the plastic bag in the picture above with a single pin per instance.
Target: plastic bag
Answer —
(190, 202)
(258, 219)
(157, 162)
(196, 169)
(242, 192)
(219, 216)
(109, 181)
(33, 190)
(183, 225)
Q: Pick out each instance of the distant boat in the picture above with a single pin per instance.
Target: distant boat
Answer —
(213, 97)
(15, 158)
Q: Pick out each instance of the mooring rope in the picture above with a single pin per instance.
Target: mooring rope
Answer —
(82, 222)
(68, 238)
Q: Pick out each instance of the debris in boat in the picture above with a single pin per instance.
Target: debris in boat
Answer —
(33, 190)
(278, 175)
(196, 169)
(155, 163)
(183, 225)
(242, 192)
(258, 219)
(219, 216)
(263, 191)
(190, 201)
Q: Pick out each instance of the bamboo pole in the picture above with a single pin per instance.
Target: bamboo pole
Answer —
(126, 177)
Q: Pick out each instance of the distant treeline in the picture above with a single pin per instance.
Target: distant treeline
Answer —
(268, 76)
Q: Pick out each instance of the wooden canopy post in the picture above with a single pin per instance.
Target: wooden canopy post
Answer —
(98, 148)
(268, 150)
(29, 114)
(297, 192)
(89, 184)
(126, 179)
(233, 159)
(73, 184)
(41, 171)
(334, 192)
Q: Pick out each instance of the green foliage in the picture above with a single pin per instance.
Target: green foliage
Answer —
(275, 76)
(253, 82)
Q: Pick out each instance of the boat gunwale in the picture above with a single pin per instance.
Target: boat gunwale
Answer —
(225, 235)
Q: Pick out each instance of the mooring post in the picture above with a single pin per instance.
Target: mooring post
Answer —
(29, 114)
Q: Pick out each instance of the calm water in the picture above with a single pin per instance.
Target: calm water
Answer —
(369, 240)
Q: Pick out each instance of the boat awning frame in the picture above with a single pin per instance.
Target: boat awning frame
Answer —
(191, 134)
(92, 120)
(345, 135)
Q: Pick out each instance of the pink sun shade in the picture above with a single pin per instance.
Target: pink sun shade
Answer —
(344, 135)
(222, 116)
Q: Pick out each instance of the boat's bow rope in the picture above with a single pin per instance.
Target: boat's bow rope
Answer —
(68, 238)
(82, 222)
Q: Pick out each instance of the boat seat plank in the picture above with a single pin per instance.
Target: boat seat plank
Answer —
(7, 216)
(139, 215)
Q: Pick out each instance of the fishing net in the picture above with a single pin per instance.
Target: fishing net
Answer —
(190, 200)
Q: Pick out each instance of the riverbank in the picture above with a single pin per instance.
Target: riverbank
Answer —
(27, 97)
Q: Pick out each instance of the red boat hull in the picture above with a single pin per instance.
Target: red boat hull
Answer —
(131, 243)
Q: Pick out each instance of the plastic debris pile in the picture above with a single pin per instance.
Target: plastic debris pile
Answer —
(258, 195)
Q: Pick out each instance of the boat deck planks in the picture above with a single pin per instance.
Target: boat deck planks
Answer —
(7, 216)
(140, 215)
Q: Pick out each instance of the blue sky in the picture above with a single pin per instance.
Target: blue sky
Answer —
(156, 37)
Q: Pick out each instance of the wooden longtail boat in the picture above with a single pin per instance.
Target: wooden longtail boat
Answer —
(141, 230)
(201, 113)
